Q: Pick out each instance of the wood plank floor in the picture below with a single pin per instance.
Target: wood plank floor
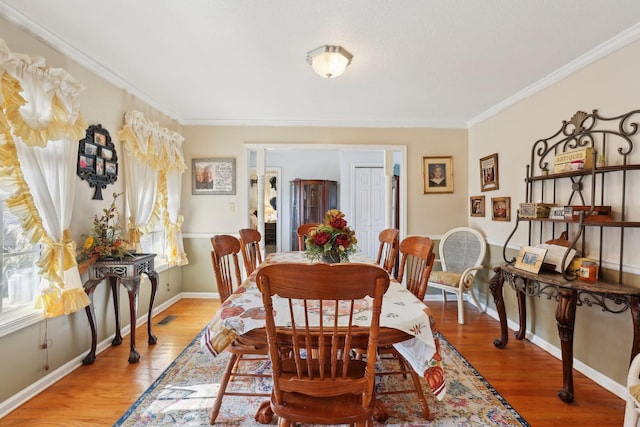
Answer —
(525, 375)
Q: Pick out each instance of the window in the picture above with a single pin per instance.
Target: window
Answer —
(153, 242)
(20, 283)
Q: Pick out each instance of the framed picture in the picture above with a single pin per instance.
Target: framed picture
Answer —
(213, 176)
(100, 138)
(111, 168)
(99, 166)
(106, 154)
(90, 149)
(501, 208)
(489, 173)
(530, 259)
(438, 174)
(477, 205)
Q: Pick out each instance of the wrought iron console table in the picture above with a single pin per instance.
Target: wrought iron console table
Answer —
(126, 271)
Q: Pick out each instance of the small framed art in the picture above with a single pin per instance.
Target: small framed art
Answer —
(501, 208)
(213, 176)
(489, 173)
(438, 174)
(530, 259)
(477, 205)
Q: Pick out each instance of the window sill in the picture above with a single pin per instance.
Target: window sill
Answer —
(19, 319)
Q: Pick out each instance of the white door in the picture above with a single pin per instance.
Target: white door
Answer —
(369, 208)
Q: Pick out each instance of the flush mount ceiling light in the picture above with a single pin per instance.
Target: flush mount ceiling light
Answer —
(329, 61)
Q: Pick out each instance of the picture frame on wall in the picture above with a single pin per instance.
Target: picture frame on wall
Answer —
(489, 173)
(501, 208)
(213, 176)
(477, 206)
(438, 174)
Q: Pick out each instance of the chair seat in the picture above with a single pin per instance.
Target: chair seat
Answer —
(445, 278)
(341, 409)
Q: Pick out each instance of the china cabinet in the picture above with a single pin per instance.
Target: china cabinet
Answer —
(310, 200)
(599, 220)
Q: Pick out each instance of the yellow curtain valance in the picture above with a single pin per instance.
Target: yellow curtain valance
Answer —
(151, 145)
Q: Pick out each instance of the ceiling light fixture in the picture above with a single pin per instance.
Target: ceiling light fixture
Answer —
(329, 61)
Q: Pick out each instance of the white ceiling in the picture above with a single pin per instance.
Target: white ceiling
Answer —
(443, 63)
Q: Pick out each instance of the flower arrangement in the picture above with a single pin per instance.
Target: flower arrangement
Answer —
(333, 240)
(105, 239)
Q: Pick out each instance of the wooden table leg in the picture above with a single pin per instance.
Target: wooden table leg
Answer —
(153, 278)
(89, 288)
(264, 415)
(133, 285)
(115, 291)
(495, 286)
(522, 315)
(566, 316)
(635, 317)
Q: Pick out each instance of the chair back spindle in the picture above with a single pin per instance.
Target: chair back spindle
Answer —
(388, 250)
(224, 258)
(416, 264)
(250, 249)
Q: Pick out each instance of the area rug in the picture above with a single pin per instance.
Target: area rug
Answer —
(185, 392)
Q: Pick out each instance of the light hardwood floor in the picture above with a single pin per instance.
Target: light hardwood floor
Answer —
(525, 375)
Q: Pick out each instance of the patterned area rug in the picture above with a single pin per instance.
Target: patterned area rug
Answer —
(184, 394)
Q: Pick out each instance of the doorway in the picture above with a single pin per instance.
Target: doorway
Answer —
(270, 200)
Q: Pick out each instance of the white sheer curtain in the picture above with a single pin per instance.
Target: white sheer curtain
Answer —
(141, 172)
(174, 169)
(154, 165)
(39, 153)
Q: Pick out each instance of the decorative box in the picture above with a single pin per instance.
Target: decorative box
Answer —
(573, 160)
(534, 210)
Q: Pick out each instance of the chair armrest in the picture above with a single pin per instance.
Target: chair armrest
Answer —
(468, 276)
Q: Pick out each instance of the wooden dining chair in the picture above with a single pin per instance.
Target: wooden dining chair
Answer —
(250, 249)
(303, 232)
(416, 263)
(224, 256)
(388, 250)
(315, 381)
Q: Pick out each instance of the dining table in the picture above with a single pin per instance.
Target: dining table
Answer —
(405, 322)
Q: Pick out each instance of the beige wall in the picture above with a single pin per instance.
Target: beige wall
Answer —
(602, 340)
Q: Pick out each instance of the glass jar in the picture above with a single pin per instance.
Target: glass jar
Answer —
(588, 271)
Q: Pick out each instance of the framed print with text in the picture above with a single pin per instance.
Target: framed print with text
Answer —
(213, 176)
(438, 174)
(489, 173)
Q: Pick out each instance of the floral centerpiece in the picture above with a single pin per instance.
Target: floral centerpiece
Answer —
(333, 240)
(105, 240)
